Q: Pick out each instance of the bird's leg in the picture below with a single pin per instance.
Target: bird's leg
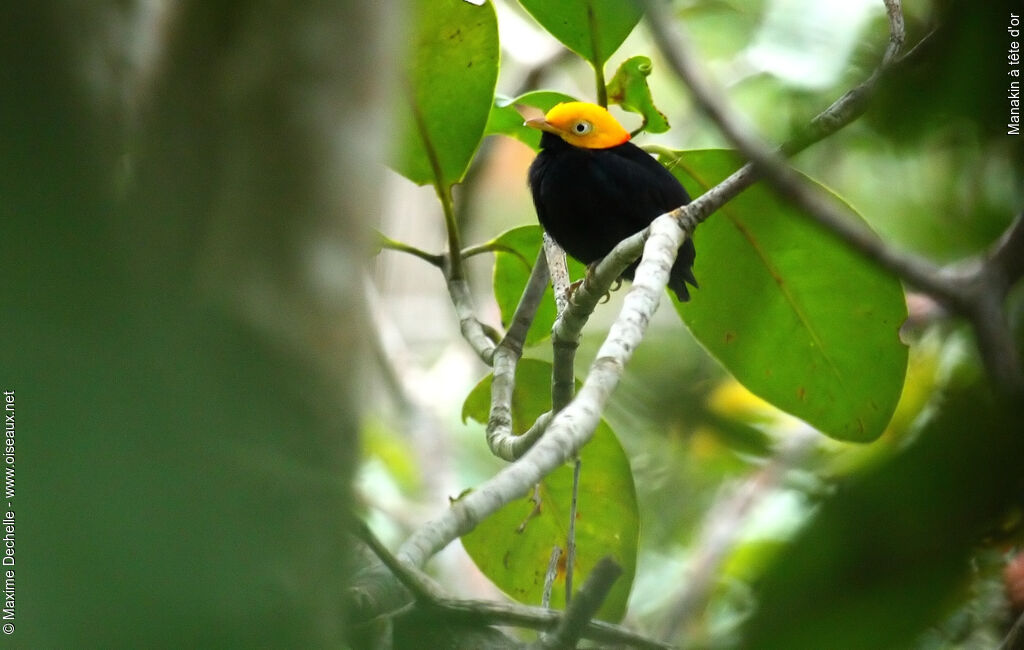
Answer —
(571, 289)
(615, 287)
(591, 268)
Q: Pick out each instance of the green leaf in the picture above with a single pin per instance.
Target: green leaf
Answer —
(629, 89)
(791, 312)
(594, 29)
(512, 269)
(513, 546)
(506, 120)
(450, 78)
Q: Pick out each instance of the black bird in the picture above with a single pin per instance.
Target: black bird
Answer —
(592, 188)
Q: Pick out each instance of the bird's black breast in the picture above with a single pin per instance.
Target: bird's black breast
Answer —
(589, 200)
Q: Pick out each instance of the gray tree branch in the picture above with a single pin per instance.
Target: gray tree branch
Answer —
(501, 439)
(575, 623)
(479, 337)
(584, 606)
(572, 427)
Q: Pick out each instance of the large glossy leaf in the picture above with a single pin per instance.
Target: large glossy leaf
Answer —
(791, 312)
(449, 88)
(513, 546)
(513, 261)
(594, 29)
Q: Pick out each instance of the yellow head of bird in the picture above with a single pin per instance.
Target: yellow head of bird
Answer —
(582, 124)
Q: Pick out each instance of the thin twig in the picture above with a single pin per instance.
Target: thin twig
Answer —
(535, 618)
(491, 247)
(583, 608)
(501, 439)
(392, 244)
(1006, 257)
(418, 583)
(1015, 638)
(454, 268)
(549, 576)
(481, 338)
(570, 556)
(481, 612)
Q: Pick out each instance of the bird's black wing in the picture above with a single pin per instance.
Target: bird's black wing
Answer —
(643, 176)
(654, 191)
(590, 200)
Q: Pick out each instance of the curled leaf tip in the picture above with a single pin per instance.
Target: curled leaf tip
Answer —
(629, 89)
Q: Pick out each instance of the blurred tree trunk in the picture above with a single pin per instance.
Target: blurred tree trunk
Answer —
(184, 200)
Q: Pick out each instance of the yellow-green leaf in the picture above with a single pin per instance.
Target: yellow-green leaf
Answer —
(629, 89)
(512, 547)
(516, 251)
(449, 88)
(791, 312)
(594, 29)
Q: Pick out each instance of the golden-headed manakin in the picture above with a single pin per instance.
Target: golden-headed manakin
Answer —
(592, 188)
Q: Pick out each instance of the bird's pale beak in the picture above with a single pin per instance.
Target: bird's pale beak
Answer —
(543, 125)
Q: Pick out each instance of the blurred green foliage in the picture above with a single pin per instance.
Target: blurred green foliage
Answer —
(183, 460)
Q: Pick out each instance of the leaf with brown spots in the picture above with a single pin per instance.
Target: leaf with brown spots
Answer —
(791, 312)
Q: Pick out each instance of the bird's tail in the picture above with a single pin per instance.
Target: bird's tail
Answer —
(678, 279)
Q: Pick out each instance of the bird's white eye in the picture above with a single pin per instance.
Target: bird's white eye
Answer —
(582, 127)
